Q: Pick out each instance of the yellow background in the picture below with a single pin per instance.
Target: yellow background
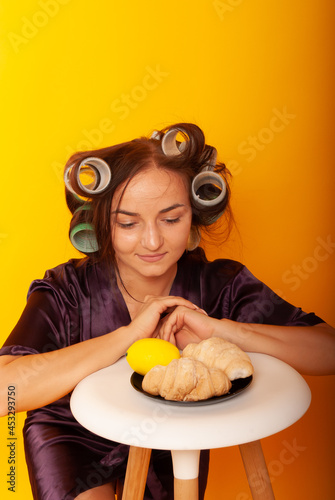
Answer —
(80, 74)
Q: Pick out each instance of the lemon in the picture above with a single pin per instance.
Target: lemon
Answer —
(144, 354)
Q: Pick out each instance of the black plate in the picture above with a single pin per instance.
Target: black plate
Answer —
(237, 387)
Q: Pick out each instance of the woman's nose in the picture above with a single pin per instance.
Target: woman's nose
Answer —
(151, 237)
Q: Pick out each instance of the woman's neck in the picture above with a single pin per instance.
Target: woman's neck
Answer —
(134, 289)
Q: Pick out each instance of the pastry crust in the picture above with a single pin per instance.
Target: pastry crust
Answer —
(186, 379)
(218, 353)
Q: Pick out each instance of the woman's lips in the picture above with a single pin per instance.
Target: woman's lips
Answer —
(151, 257)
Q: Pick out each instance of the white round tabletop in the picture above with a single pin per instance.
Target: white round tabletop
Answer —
(107, 404)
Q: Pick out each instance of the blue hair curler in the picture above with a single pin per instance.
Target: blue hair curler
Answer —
(82, 237)
(82, 234)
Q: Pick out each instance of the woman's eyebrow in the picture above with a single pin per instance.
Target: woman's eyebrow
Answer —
(176, 205)
(134, 214)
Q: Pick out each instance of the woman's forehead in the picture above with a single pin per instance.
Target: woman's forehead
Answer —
(153, 185)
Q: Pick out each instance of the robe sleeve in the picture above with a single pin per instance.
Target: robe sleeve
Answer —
(251, 301)
(44, 326)
(74, 302)
(52, 316)
(230, 290)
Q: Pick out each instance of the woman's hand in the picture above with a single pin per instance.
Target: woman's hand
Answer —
(185, 325)
(146, 323)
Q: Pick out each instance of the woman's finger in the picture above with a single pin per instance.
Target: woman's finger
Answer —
(169, 301)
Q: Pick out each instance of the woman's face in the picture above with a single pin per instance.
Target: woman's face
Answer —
(151, 223)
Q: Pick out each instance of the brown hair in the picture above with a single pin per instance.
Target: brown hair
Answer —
(125, 161)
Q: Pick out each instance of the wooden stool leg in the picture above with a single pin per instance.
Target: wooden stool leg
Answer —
(186, 471)
(136, 474)
(186, 489)
(256, 470)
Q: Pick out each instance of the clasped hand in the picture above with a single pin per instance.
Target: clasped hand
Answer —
(174, 319)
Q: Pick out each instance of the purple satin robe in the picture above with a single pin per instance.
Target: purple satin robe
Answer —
(77, 301)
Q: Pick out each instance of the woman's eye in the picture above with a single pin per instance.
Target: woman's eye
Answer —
(172, 221)
(126, 225)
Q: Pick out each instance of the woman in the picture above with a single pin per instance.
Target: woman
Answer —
(138, 218)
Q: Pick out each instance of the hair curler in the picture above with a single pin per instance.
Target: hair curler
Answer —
(208, 188)
(82, 237)
(93, 166)
(82, 234)
(169, 143)
(156, 134)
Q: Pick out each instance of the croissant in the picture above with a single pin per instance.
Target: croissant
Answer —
(185, 379)
(218, 353)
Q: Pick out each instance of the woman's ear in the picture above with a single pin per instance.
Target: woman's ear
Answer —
(193, 239)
